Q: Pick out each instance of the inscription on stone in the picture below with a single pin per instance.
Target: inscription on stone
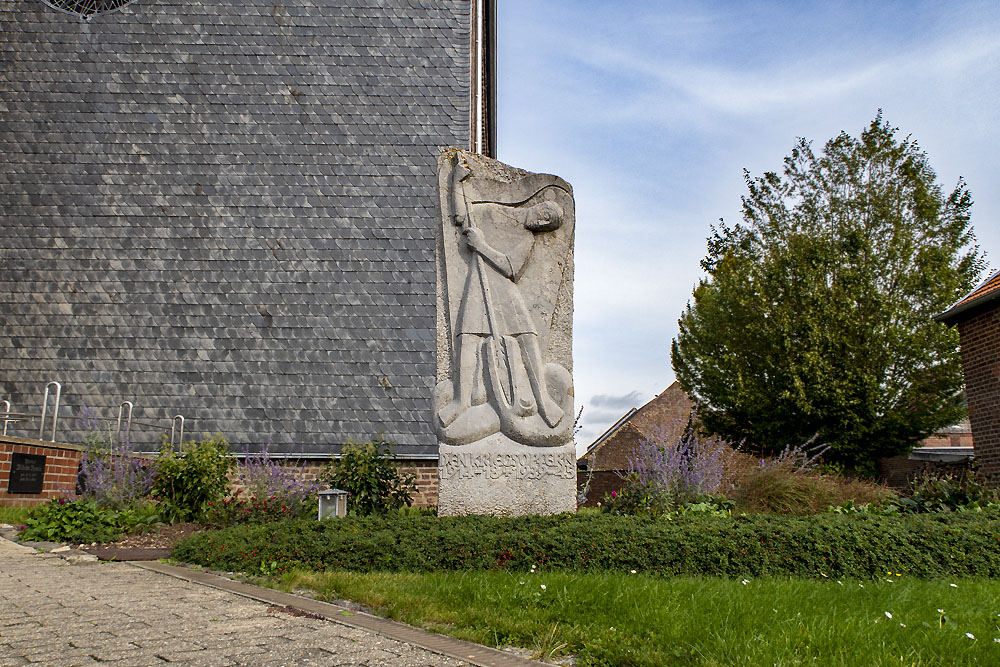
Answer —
(27, 473)
(530, 466)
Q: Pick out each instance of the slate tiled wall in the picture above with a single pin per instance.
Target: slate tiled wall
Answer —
(226, 210)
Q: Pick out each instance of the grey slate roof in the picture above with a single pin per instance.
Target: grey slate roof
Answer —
(226, 210)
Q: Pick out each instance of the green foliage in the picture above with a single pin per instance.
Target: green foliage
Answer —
(817, 313)
(946, 492)
(85, 521)
(859, 545)
(365, 471)
(238, 509)
(186, 483)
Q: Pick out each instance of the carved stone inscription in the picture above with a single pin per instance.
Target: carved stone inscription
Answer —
(509, 467)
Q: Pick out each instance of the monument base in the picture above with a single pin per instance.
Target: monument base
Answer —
(504, 478)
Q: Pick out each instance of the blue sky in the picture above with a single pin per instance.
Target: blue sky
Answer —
(652, 109)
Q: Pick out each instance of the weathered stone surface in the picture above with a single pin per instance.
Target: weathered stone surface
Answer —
(505, 304)
(499, 476)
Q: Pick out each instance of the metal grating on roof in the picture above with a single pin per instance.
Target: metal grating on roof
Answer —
(87, 8)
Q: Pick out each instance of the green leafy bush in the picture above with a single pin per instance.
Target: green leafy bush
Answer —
(85, 521)
(186, 483)
(238, 509)
(366, 472)
(859, 545)
(947, 492)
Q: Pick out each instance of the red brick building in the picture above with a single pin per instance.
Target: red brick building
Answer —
(977, 316)
(607, 457)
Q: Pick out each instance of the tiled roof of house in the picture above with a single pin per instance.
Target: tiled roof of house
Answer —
(669, 406)
(985, 293)
(226, 209)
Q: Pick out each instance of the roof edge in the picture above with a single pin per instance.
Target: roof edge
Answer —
(960, 307)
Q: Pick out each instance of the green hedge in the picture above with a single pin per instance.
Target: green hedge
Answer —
(831, 545)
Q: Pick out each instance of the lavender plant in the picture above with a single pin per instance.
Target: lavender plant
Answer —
(269, 491)
(110, 474)
(262, 476)
(806, 457)
(671, 469)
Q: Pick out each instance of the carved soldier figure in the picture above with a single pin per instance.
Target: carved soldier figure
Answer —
(492, 305)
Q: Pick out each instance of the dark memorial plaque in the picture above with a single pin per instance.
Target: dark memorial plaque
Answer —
(27, 472)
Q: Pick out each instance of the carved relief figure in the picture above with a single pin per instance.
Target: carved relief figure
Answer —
(500, 381)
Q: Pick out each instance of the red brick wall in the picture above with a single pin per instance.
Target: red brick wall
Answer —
(425, 475)
(62, 463)
(981, 364)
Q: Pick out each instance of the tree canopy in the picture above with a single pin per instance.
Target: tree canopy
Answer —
(815, 317)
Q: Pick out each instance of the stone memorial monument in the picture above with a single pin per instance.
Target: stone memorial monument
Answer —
(503, 406)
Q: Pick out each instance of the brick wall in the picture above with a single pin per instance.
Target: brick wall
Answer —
(899, 471)
(980, 337)
(425, 475)
(62, 462)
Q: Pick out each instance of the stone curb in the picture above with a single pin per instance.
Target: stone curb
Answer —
(476, 654)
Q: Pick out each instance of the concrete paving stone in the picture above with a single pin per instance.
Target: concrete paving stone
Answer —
(58, 656)
(144, 661)
(13, 661)
(115, 613)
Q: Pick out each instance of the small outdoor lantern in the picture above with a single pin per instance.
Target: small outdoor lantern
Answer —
(332, 503)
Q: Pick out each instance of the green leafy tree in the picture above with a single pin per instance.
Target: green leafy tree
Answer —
(816, 313)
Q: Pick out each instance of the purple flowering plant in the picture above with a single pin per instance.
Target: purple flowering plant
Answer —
(673, 468)
(110, 473)
(269, 490)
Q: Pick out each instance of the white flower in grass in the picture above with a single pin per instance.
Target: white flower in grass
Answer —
(745, 582)
(953, 585)
(970, 635)
(632, 571)
(888, 615)
(543, 587)
(996, 640)
(840, 582)
(902, 625)
(940, 611)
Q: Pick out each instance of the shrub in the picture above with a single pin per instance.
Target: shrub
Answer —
(186, 483)
(365, 471)
(946, 492)
(673, 468)
(113, 476)
(792, 483)
(110, 474)
(832, 545)
(273, 493)
(62, 520)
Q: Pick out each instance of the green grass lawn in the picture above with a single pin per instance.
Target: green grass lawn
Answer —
(13, 515)
(614, 619)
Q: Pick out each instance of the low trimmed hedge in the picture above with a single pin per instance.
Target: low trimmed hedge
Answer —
(832, 545)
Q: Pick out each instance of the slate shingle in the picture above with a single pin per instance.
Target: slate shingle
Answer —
(226, 210)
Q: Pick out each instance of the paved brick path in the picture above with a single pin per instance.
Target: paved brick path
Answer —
(57, 612)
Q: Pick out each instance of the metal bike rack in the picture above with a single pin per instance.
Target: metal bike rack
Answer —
(128, 421)
(55, 412)
(174, 430)
(6, 416)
